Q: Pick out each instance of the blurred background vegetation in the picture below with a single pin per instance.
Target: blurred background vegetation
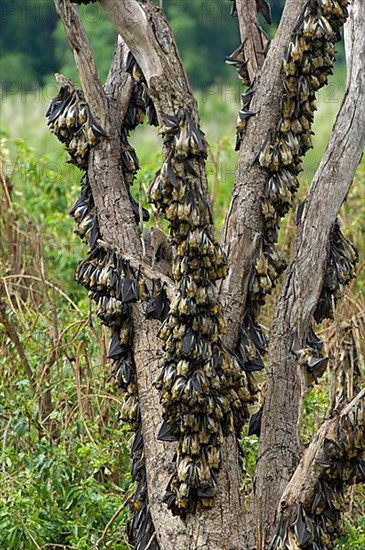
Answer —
(33, 45)
(64, 468)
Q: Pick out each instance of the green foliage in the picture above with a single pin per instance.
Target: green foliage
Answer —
(12, 65)
(64, 466)
(27, 26)
(51, 494)
(43, 193)
(212, 34)
(355, 537)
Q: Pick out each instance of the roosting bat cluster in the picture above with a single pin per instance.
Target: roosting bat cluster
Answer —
(341, 263)
(114, 286)
(341, 462)
(110, 280)
(140, 107)
(268, 263)
(307, 63)
(203, 391)
(237, 59)
(141, 104)
(70, 119)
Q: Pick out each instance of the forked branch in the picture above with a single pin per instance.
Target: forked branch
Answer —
(146, 31)
(346, 427)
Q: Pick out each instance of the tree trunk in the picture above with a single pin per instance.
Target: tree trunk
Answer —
(148, 37)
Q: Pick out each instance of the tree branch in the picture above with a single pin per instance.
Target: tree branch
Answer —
(250, 36)
(105, 173)
(130, 20)
(84, 59)
(331, 462)
(243, 227)
(119, 84)
(148, 36)
(279, 441)
(314, 463)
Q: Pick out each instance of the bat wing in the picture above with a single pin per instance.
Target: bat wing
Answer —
(166, 434)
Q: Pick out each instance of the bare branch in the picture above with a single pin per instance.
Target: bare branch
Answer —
(250, 36)
(105, 176)
(112, 520)
(84, 59)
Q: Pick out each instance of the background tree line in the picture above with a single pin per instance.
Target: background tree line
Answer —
(33, 45)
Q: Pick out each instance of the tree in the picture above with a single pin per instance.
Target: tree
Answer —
(188, 391)
(27, 27)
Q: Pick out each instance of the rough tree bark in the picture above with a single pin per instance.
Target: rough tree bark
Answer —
(146, 33)
(243, 225)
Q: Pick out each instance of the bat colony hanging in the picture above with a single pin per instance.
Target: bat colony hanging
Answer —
(340, 270)
(308, 62)
(70, 119)
(341, 462)
(305, 68)
(268, 263)
(204, 390)
(110, 280)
